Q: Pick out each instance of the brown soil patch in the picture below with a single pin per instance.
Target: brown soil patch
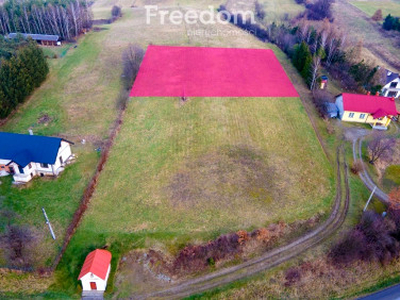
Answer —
(237, 172)
(44, 119)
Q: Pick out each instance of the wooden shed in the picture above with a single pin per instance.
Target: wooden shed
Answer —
(43, 39)
(95, 270)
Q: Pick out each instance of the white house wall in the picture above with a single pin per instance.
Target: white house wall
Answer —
(64, 152)
(36, 169)
(387, 89)
(90, 277)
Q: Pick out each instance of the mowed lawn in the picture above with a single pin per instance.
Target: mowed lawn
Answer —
(370, 7)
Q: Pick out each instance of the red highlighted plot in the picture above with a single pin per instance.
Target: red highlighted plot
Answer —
(211, 72)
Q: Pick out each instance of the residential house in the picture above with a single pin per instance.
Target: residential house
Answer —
(26, 156)
(95, 271)
(43, 39)
(374, 110)
(392, 85)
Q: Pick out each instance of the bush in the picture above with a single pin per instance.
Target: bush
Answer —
(357, 166)
(116, 11)
(132, 58)
(377, 15)
(319, 10)
(17, 242)
(373, 239)
(201, 256)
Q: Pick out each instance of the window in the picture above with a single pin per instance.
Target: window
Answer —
(11, 170)
(44, 166)
(2, 167)
(392, 94)
(393, 85)
(21, 169)
(61, 160)
(351, 115)
(30, 166)
(362, 116)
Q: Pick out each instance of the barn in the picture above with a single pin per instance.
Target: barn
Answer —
(43, 39)
(95, 271)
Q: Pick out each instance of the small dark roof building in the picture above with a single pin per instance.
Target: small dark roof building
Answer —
(44, 39)
(390, 76)
(24, 149)
(331, 109)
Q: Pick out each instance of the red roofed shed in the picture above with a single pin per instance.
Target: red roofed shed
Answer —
(95, 270)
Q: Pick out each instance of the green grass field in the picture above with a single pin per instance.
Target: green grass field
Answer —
(370, 7)
(166, 154)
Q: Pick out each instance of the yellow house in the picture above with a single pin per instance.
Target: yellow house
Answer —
(374, 110)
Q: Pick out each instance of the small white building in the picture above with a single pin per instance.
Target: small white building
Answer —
(392, 85)
(95, 271)
(26, 156)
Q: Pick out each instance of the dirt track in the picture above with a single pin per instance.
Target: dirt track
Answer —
(274, 257)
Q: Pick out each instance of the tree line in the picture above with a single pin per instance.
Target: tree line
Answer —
(66, 18)
(23, 67)
(391, 23)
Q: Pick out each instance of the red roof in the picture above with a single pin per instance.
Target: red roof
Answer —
(97, 262)
(168, 71)
(377, 106)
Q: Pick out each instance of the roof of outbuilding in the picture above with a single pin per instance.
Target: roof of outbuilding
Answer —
(24, 149)
(377, 106)
(96, 262)
(36, 37)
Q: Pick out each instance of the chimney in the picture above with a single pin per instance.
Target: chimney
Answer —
(30, 132)
(369, 93)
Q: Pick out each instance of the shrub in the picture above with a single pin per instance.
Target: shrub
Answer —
(292, 276)
(131, 59)
(377, 15)
(201, 256)
(371, 240)
(116, 11)
(357, 166)
(319, 10)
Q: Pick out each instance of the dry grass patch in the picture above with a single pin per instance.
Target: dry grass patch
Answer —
(370, 7)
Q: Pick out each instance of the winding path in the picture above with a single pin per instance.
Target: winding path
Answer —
(273, 258)
(368, 182)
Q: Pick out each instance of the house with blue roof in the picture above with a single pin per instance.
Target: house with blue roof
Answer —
(26, 156)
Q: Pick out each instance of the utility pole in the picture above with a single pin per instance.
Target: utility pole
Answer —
(370, 197)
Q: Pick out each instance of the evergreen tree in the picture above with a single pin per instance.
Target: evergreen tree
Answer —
(302, 59)
(20, 74)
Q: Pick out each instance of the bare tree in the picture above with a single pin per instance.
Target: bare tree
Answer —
(380, 147)
(315, 66)
(17, 241)
(131, 59)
